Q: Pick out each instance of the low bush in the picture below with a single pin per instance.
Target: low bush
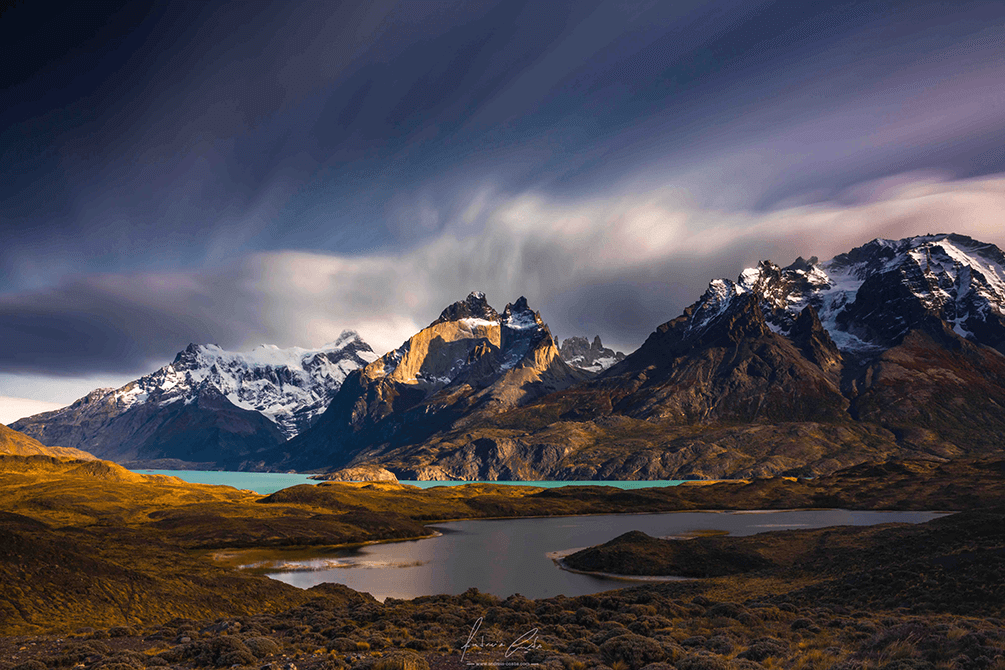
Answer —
(763, 648)
(262, 646)
(401, 660)
(634, 650)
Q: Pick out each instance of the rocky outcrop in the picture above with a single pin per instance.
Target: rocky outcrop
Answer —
(580, 353)
(365, 473)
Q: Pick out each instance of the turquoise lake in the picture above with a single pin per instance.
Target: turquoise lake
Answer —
(265, 483)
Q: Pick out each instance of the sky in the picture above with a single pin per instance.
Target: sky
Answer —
(272, 172)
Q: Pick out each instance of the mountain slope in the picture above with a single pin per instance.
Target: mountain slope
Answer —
(208, 406)
(469, 363)
(892, 349)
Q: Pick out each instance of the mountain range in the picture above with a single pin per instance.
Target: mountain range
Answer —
(894, 348)
(215, 408)
(208, 406)
(467, 366)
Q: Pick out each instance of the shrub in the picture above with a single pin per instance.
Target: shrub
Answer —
(703, 662)
(420, 644)
(634, 650)
(218, 652)
(342, 644)
(720, 644)
(907, 664)
(726, 610)
(673, 652)
(586, 617)
(641, 627)
(262, 646)
(582, 647)
(30, 664)
(123, 659)
(763, 648)
(900, 649)
(121, 631)
(401, 660)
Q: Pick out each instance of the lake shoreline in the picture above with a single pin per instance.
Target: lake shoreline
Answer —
(525, 554)
(242, 480)
(730, 623)
(355, 545)
(558, 558)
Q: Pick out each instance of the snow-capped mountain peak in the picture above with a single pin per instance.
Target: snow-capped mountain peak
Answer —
(289, 386)
(871, 296)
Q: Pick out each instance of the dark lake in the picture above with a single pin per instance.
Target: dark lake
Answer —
(508, 556)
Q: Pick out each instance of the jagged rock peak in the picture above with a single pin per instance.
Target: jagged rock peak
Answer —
(580, 353)
(347, 338)
(802, 264)
(475, 306)
(518, 316)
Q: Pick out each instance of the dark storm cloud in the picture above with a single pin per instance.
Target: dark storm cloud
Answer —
(165, 135)
(241, 172)
(118, 324)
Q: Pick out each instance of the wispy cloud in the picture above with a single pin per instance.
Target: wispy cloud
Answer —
(616, 266)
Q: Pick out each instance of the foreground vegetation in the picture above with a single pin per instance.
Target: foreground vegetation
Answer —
(103, 568)
(716, 624)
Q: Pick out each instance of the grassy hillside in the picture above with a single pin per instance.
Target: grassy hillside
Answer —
(18, 444)
(91, 543)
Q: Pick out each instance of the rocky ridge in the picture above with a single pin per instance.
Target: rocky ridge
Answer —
(580, 353)
(870, 298)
